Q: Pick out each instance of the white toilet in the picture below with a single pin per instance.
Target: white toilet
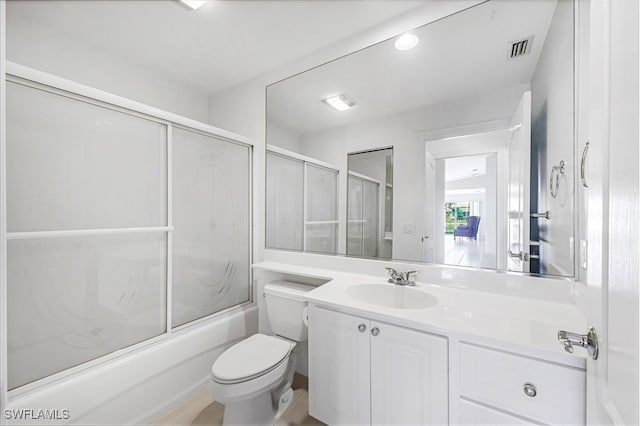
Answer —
(253, 378)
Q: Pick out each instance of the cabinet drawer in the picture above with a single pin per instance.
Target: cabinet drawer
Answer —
(498, 379)
(476, 414)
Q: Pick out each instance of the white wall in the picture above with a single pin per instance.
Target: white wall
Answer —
(282, 137)
(37, 47)
(488, 107)
(552, 140)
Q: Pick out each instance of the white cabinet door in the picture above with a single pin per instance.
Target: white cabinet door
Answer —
(409, 377)
(339, 385)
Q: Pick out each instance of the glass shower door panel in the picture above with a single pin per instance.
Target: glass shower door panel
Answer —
(284, 202)
(74, 299)
(321, 237)
(371, 212)
(211, 217)
(355, 219)
(321, 211)
(322, 194)
(76, 165)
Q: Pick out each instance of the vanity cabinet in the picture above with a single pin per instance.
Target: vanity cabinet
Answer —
(363, 371)
(504, 388)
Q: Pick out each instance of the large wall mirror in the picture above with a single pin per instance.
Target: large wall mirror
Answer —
(459, 150)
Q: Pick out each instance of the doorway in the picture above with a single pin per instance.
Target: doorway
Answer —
(469, 192)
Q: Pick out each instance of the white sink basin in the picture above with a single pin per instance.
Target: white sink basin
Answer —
(392, 296)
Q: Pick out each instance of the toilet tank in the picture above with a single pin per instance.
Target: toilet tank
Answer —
(285, 308)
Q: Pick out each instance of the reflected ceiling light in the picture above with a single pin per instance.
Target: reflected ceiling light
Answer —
(341, 102)
(406, 41)
(193, 4)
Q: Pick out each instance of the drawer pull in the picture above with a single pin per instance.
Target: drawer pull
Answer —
(375, 331)
(362, 328)
(530, 390)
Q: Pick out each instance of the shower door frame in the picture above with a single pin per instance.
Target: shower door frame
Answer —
(53, 84)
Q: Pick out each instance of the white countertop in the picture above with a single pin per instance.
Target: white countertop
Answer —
(527, 326)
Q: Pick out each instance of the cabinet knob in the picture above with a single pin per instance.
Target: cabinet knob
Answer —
(375, 331)
(530, 390)
(362, 328)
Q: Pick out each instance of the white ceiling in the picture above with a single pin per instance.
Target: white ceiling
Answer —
(463, 167)
(217, 46)
(458, 57)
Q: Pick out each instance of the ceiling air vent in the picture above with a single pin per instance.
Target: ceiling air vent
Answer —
(519, 48)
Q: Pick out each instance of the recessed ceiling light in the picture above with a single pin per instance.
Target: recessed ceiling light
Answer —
(341, 102)
(193, 4)
(406, 41)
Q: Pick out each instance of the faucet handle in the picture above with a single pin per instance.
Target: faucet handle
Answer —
(392, 272)
(394, 276)
(411, 277)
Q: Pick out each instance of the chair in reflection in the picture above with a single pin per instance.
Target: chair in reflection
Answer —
(470, 230)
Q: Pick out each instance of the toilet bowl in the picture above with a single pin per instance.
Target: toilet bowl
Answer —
(253, 377)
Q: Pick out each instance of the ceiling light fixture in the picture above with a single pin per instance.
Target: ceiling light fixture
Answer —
(193, 4)
(406, 41)
(341, 102)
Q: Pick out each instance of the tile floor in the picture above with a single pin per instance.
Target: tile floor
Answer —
(203, 410)
(464, 251)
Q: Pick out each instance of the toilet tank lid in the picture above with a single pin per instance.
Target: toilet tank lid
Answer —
(287, 290)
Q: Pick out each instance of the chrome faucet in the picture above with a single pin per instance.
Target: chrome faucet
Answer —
(402, 278)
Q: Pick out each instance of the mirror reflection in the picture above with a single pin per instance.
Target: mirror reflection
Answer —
(370, 203)
(479, 127)
(302, 203)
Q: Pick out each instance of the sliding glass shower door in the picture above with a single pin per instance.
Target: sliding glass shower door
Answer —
(301, 205)
(211, 220)
(285, 202)
(321, 209)
(120, 226)
(362, 215)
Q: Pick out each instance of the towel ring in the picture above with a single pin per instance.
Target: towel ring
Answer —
(554, 178)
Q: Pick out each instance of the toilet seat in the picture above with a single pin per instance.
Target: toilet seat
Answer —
(251, 358)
